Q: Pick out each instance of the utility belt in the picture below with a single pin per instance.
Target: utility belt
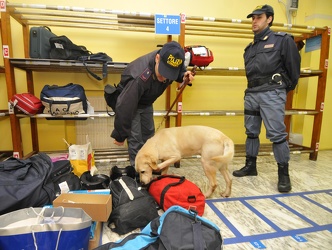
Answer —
(274, 79)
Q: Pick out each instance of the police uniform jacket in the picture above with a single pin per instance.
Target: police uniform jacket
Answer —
(141, 89)
(271, 53)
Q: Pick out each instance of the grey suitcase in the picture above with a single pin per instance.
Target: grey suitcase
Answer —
(39, 42)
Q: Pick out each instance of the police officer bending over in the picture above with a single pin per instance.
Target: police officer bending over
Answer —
(143, 81)
(272, 64)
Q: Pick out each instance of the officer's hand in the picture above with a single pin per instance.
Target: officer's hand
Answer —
(188, 76)
(118, 143)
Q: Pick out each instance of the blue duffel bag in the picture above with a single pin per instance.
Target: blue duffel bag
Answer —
(64, 100)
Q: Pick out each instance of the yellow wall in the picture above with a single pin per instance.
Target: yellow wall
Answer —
(207, 93)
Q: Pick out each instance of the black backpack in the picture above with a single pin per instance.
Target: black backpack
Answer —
(63, 172)
(132, 206)
(26, 183)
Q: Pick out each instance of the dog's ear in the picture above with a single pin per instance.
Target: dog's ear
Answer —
(152, 162)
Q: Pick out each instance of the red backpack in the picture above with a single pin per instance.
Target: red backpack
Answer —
(200, 56)
(169, 190)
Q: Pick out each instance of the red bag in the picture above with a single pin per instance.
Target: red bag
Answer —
(200, 55)
(169, 190)
(27, 103)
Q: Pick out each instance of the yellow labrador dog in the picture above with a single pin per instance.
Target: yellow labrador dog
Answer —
(169, 145)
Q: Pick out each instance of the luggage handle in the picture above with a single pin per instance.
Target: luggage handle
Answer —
(182, 178)
(51, 103)
(163, 193)
(54, 86)
(191, 199)
(46, 27)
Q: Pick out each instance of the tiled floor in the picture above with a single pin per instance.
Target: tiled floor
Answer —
(257, 216)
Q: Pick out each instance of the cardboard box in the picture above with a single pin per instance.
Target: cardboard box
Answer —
(97, 239)
(97, 206)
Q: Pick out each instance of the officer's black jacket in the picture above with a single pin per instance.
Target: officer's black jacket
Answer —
(270, 53)
(141, 89)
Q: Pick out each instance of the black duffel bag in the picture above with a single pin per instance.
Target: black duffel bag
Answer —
(63, 48)
(26, 183)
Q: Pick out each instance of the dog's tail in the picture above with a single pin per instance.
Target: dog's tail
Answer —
(228, 151)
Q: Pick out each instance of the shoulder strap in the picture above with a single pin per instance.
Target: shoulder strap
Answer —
(95, 75)
(99, 57)
(126, 189)
(198, 234)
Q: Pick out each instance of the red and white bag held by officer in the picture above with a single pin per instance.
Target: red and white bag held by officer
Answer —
(169, 190)
(27, 103)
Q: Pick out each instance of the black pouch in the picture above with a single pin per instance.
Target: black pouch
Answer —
(289, 84)
(111, 94)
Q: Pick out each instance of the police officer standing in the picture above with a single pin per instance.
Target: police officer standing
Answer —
(143, 81)
(272, 64)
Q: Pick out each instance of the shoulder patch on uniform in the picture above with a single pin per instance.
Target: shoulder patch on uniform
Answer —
(146, 74)
(279, 33)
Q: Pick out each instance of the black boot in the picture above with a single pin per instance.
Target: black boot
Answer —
(284, 184)
(248, 169)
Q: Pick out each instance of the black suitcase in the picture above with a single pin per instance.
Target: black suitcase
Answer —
(63, 172)
(39, 42)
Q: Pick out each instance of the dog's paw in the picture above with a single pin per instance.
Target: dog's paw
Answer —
(225, 194)
(207, 195)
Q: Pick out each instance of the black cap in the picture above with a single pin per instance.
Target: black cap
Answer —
(171, 60)
(260, 9)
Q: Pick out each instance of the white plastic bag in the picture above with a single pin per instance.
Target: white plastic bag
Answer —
(81, 157)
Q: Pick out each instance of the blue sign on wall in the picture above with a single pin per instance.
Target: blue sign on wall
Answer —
(167, 24)
(313, 43)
